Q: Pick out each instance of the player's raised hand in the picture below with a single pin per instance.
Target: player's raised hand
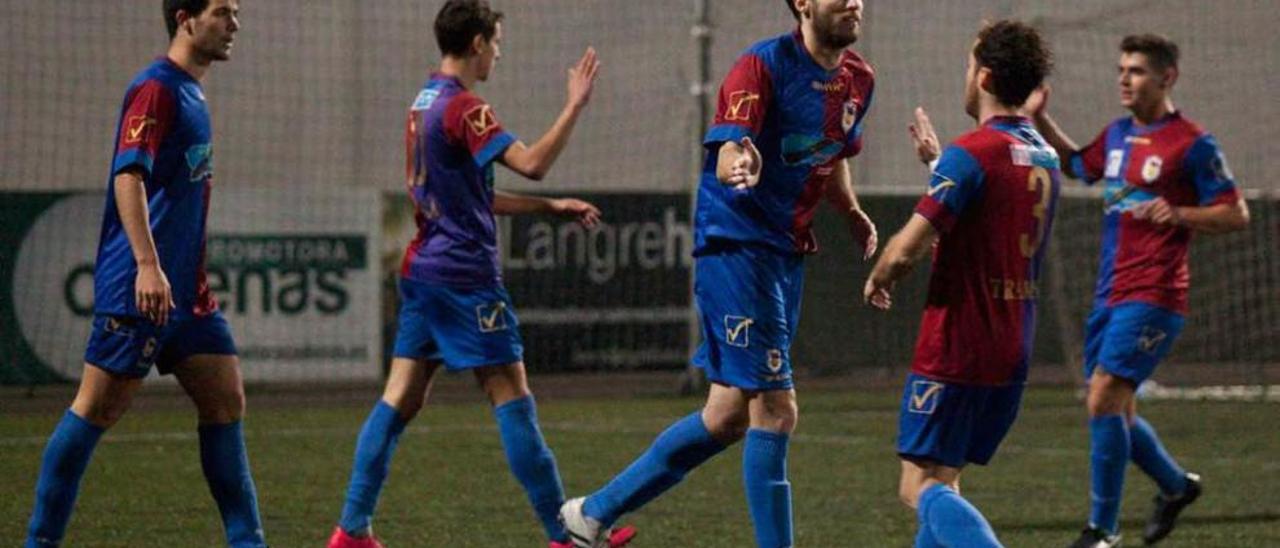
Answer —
(582, 78)
(923, 137)
(864, 232)
(877, 295)
(588, 215)
(744, 172)
(152, 294)
(1037, 103)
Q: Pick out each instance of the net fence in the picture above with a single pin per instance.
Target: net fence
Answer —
(308, 121)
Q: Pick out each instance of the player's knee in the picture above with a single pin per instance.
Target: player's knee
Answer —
(727, 427)
(406, 404)
(224, 406)
(103, 412)
(780, 415)
(909, 494)
(1108, 395)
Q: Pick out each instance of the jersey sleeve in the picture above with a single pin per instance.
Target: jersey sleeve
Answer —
(955, 181)
(1089, 163)
(470, 122)
(742, 103)
(1207, 167)
(149, 111)
(853, 143)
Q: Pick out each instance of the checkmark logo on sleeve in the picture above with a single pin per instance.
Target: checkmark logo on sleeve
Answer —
(491, 318)
(136, 127)
(737, 330)
(924, 396)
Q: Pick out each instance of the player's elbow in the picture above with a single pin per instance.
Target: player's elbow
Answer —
(1240, 220)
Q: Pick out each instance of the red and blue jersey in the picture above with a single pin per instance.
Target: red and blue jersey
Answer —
(992, 199)
(803, 118)
(452, 139)
(1172, 159)
(164, 134)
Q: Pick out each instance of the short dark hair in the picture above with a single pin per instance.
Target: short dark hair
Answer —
(459, 21)
(791, 5)
(1016, 55)
(1161, 51)
(172, 7)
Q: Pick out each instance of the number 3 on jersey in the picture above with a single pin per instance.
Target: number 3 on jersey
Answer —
(1039, 182)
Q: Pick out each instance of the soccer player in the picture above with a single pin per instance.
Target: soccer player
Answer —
(789, 112)
(989, 209)
(454, 310)
(152, 305)
(1165, 179)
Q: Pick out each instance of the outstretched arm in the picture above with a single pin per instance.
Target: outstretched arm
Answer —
(510, 203)
(841, 195)
(905, 249)
(1213, 219)
(534, 161)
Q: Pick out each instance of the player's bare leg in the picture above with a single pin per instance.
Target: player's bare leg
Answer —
(103, 397)
(946, 518)
(213, 382)
(405, 393)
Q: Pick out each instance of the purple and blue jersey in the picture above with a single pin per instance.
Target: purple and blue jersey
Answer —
(1172, 159)
(803, 118)
(452, 140)
(164, 134)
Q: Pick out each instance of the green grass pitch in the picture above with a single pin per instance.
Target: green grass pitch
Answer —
(449, 484)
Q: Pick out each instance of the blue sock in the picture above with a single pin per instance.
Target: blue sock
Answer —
(952, 521)
(764, 471)
(374, 447)
(1109, 454)
(1150, 455)
(681, 448)
(532, 463)
(226, 469)
(65, 458)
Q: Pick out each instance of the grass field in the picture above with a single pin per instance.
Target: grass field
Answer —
(449, 484)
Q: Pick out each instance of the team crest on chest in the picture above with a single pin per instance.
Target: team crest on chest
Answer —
(1151, 168)
(850, 115)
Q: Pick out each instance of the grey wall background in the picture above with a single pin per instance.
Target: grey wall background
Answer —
(316, 91)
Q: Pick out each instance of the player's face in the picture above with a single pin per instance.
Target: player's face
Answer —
(1141, 83)
(836, 23)
(490, 52)
(971, 86)
(213, 31)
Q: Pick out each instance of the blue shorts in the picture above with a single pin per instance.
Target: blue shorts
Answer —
(749, 304)
(1129, 339)
(464, 328)
(130, 345)
(954, 424)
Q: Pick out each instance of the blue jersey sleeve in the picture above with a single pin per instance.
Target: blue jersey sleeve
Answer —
(955, 181)
(1206, 166)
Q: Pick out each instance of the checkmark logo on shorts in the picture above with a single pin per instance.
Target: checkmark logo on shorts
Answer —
(737, 330)
(924, 396)
(1150, 338)
(491, 318)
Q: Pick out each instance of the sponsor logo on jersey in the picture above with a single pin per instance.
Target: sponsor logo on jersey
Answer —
(1151, 168)
(200, 161)
(834, 86)
(424, 99)
(924, 396)
(737, 330)
(480, 120)
(136, 128)
(740, 105)
(491, 318)
(1115, 158)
